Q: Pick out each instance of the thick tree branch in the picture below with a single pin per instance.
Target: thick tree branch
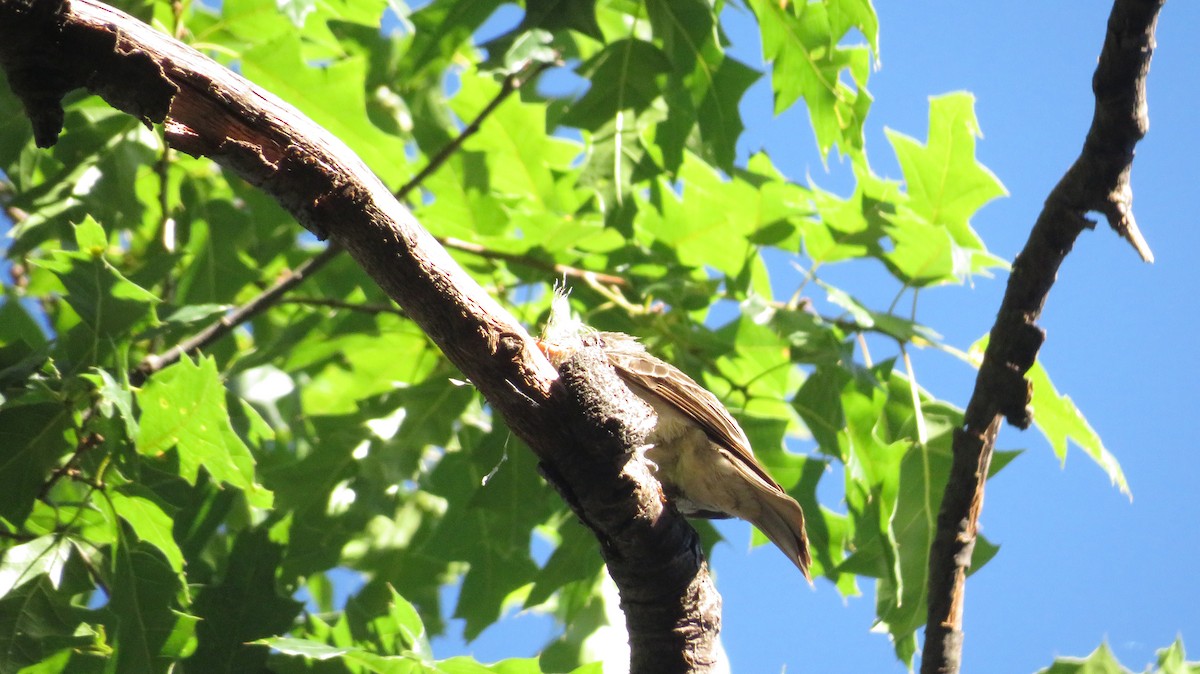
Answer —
(1097, 181)
(275, 293)
(47, 49)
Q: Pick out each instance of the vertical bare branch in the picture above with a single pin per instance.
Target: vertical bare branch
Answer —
(1098, 181)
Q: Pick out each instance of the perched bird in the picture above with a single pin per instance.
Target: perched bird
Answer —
(698, 452)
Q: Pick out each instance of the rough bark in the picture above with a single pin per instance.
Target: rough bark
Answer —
(1098, 181)
(582, 426)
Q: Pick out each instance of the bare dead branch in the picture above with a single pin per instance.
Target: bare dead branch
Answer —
(1097, 181)
(48, 49)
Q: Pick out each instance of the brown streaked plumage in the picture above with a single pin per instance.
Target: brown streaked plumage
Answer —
(699, 452)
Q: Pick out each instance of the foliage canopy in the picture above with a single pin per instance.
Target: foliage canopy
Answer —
(205, 514)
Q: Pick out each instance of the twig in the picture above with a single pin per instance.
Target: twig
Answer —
(87, 443)
(1097, 181)
(531, 262)
(17, 271)
(511, 84)
(342, 304)
(229, 322)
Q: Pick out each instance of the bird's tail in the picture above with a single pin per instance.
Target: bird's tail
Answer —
(782, 520)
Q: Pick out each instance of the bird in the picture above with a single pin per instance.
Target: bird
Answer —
(696, 449)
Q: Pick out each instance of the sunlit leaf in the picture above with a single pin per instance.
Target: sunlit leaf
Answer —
(23, 563)
(137, 506)
(183, 407)
(1057, 417)
(624, 78)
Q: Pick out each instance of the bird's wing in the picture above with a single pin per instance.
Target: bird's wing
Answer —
(681, 391)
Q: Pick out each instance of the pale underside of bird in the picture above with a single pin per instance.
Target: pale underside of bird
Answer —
(698, 452)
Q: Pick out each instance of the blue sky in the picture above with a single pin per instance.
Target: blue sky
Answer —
(1079, 562)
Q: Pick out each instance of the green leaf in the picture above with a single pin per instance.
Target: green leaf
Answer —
(115, 400)
(704, 86)
(855, 227)
(404, 623)
(718, 115)
(710, 223)
(108, 303)
(624, 76)
(946, 183)
(150, 633)
(946, 186)
(558, 15)
(36, 621)
(1058, 419)
(363, 660)
(902, 329)
(91, 237)
(145, 513)
(45, 555)
(1056, 416)
(1101, 661)
(575, 558)
(819, 404)
(1173, 660)
(193, 314)
(859, 14)
(297, 10)
(16, 325)
(686, 30)
(183, 407)
(82, 659)
(614, 158)
(924, 473)
(499, 555)
(463, 665)
(439, 29)
(305, 648)
(32, 440)
(245, 605)
(521, 161)
(923, 254)
(803, 42)
(463, 205)
(333, 96)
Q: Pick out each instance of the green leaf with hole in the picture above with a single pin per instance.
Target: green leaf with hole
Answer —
(183, 408)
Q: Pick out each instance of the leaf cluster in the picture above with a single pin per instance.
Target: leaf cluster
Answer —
(298, 496)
